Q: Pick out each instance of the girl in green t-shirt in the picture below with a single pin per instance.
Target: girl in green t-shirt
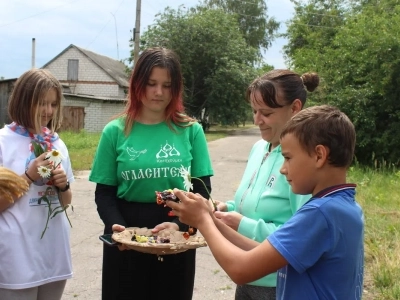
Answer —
(141, 152)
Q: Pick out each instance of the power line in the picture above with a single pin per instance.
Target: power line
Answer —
(38, 14)
(101, 30)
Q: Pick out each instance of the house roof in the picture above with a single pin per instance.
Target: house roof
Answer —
(112, 67)
(8, 80)
(91, 97)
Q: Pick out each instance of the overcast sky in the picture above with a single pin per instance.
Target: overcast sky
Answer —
(101, 26)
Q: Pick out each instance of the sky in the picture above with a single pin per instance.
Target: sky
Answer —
(101, 26)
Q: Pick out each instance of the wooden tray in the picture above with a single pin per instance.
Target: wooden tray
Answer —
(177, 243)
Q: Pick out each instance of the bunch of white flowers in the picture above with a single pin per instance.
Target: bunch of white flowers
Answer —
(55, 157)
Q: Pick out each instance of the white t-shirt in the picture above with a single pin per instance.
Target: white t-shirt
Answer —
(25, 259)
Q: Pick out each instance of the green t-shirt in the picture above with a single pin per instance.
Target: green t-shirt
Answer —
(149, 158)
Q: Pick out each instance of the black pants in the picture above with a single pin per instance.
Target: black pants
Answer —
(252, 292)
(131, 275)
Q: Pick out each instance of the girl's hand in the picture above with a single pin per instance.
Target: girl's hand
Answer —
(59, 178)
(39, 161)
(165, 225)
(119, 228)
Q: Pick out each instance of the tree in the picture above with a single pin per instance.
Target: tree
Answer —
(311, 32)
(257, 28)
(360, 68)
(217, 63)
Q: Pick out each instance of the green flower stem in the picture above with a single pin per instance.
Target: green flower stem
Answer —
(51, 213)
(209, 195)
(64, 207)
(48, 218)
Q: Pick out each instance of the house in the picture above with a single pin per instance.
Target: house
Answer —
(95, 87)
(6, 87)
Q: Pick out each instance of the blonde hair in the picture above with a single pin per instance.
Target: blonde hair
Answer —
(29, 91)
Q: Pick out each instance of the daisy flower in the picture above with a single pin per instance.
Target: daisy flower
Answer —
(55, 157)
(187, 182)
(187, 179)
(44, 172)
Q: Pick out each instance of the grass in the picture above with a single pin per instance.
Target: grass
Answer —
(377, 193)
(379, 196)
(82, 146)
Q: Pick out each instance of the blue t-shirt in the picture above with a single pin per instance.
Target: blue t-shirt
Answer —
(323, 245)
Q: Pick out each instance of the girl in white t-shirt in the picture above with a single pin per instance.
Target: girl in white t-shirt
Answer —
(35, 256)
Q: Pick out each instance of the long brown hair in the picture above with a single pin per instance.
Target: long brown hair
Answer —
(150, 58)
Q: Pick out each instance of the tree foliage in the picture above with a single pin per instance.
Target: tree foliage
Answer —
(311, 32)
(257, 28)
(359, 62)
(217, 63)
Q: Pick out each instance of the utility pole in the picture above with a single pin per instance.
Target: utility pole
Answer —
(33, 52)
(137, 32)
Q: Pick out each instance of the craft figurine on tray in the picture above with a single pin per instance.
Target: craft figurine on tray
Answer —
(168, 195)
(167, 241)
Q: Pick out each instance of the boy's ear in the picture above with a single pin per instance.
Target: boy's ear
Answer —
(321, 155)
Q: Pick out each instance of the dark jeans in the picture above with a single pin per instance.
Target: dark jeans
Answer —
(253, 292)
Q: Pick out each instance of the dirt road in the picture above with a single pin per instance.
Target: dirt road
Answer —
(229, 156)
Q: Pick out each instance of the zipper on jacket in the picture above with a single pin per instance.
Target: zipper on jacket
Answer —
(251, 181)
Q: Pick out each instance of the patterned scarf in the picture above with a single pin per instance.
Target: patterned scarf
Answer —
(45, 139)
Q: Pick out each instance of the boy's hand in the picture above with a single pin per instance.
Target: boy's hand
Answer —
(192, 209)
(232, 218)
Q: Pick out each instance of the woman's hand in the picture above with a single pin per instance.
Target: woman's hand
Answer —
(232, 218)
(165, 225)
(221, 206)
(119, 228)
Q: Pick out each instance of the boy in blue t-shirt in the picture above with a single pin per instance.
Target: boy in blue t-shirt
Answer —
(319, 252)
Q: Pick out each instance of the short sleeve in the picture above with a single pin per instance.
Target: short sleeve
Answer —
(104, 168)
(201, 163)
(303, 239)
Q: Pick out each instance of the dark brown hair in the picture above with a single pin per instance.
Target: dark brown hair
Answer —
(29, 91)
(324, 125)
(285, 84)
(148, 59)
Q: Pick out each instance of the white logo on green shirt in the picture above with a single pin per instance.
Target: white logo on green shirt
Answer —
(134, 153)
(167, 151)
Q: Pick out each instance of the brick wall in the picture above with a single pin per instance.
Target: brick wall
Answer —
(97, 113)
(103, 85)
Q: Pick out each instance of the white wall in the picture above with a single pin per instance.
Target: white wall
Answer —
(97, 113)
(103, 85)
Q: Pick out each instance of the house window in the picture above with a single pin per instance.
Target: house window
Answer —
(73, 65)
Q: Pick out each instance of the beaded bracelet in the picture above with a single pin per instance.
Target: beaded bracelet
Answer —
(29, 177)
